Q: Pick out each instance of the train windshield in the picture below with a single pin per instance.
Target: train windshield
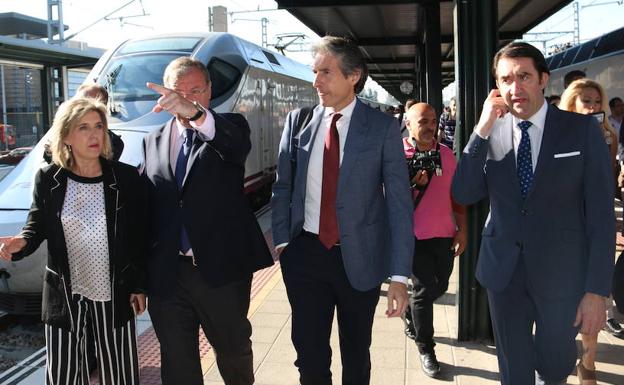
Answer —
(125, 76)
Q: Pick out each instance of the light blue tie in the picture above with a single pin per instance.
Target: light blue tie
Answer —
(180, 172)
(525, 162)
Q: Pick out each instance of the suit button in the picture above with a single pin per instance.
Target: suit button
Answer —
(181, 203)
(525, 212)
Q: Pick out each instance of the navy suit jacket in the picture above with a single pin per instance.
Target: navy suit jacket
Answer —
(227, 242)
(373, 200)
(565, 228)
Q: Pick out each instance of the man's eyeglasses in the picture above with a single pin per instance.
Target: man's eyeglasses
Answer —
(194, 92)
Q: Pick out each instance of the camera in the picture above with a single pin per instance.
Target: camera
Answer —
(429, 161)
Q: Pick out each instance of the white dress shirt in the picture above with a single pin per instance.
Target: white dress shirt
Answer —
(315, 165)
(206, 129)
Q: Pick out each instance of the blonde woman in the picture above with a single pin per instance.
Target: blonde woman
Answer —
(588, 97)
(91, 210)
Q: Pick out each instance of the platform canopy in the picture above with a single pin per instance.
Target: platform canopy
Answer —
(392, 33)
(22, 38)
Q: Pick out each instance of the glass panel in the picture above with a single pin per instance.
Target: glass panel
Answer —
(163, 44)
(21, 113)
(125, 78)
(75, 80)
(223, 77)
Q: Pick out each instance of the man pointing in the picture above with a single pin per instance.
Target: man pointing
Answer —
(205, 243)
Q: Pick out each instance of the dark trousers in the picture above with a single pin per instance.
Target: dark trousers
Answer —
(431, 268)
(551, 351)
(317, 285)
(222, 314)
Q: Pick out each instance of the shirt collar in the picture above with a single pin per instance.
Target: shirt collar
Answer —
(179, 128)
(538, 119)
(345, 112)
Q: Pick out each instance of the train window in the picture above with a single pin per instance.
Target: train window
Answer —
(223, 76)
(271, 58)
(125, 77)
(162, 44)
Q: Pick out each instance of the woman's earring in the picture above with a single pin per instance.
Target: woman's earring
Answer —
(68, 146)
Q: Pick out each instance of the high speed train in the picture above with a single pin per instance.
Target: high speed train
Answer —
(262, 85)
(602, 59)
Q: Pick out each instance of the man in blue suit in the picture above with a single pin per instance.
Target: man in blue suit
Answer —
(342, 217)
(547, 248)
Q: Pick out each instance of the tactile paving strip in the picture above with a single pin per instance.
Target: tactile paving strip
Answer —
(149, 348)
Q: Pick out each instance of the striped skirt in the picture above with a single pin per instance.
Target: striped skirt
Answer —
(116, 348)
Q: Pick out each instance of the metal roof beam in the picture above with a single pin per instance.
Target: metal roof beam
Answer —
(389, 60)
(513, 35)
(292, 4)
(388, 40)
(392, 71)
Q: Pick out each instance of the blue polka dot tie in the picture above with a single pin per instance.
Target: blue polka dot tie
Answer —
(525, 163)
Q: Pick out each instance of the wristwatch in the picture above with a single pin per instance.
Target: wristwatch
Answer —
(198, 114)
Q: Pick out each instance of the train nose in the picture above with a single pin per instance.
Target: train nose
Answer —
(26, 275)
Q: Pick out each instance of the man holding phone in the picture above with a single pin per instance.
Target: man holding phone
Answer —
(546, 256)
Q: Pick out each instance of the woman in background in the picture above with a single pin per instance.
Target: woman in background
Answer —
(586, 96)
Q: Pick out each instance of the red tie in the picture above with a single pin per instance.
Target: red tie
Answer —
(328, 223)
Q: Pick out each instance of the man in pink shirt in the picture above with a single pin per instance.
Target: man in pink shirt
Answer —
(439, 228)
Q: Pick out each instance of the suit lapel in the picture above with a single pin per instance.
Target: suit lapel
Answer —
(57, 191)
(307, 136)
(111, 205)
(163, 143)
(547, 147)
(358, 127)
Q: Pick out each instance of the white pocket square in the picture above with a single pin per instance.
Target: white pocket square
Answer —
(567, 154)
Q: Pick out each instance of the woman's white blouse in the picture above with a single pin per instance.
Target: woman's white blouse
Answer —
(84, 225)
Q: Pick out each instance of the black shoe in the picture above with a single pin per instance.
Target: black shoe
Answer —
(613, 327)
(430, 365)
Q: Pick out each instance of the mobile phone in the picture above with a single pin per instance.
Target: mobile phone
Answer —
(600, 116)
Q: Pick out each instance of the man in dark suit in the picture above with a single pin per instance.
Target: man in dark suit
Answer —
(342, 217)
(205, 241)
(547, 248)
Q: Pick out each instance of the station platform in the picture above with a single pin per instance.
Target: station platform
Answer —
(394, 357)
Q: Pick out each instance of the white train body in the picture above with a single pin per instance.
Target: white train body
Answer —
(607, 70)
(602, 60)
(262, 85)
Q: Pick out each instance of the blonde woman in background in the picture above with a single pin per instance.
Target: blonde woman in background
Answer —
(588, 97)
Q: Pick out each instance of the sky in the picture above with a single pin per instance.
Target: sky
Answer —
(596, 18)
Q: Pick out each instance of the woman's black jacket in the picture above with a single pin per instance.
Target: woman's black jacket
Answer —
(126, 221)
